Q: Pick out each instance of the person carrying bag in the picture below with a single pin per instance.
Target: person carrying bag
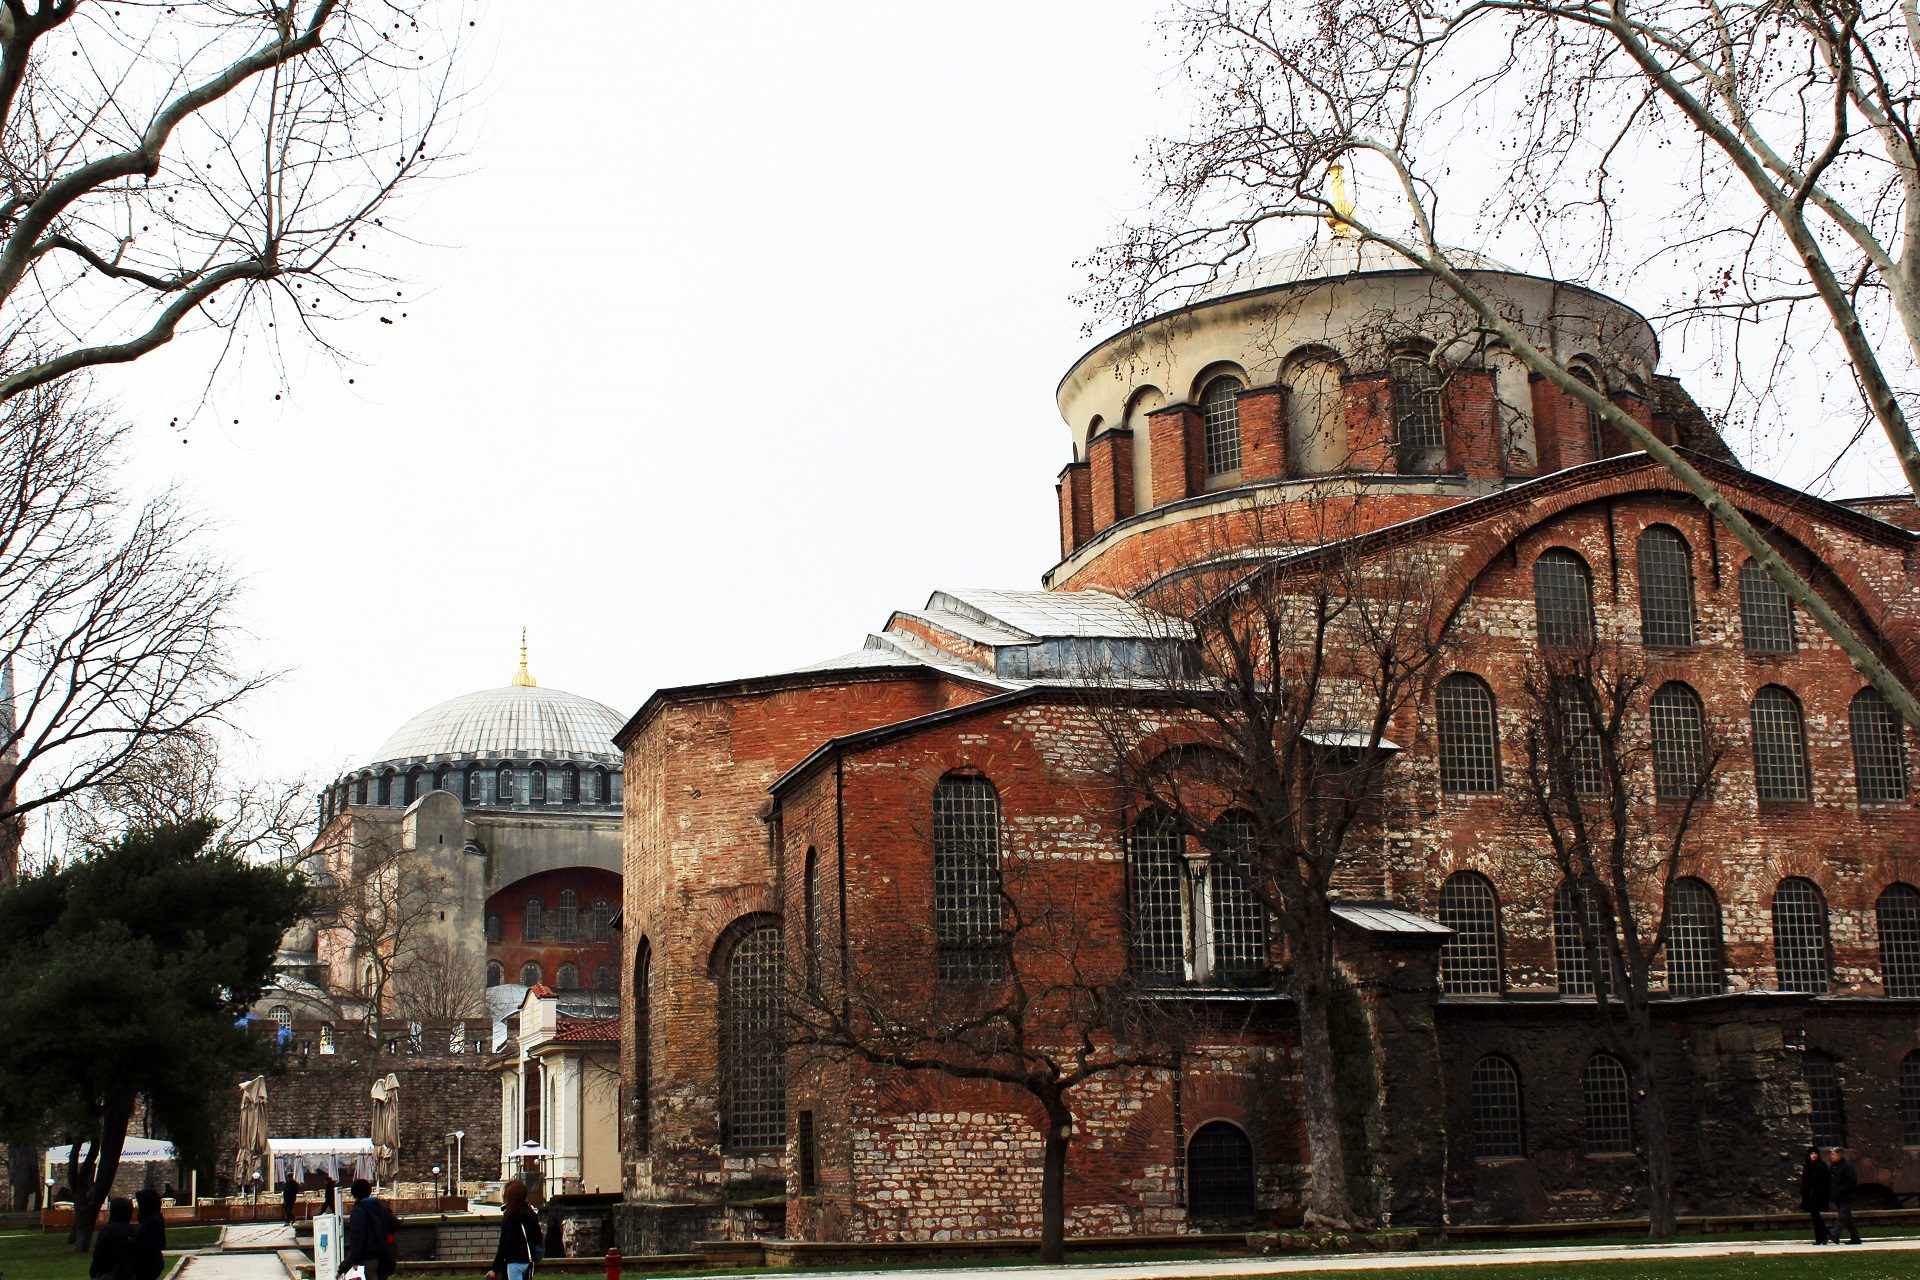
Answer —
(521, 1247)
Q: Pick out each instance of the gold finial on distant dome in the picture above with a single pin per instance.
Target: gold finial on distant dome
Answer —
(1340, 220)
(521, 680)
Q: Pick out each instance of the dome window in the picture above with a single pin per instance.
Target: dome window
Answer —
(1419, 425)
(476, 780)
(1220, 415)
(537, 784)
(443, 780)
(570, 785)
(503, 785)
(416, 785)
(590, 787)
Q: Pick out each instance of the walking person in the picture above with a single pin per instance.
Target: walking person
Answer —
(1814, 1185)
(519, 1248)
(288, 1194)
(370, 1231)
(149, 1236)
(113, 1243)
(327, 1184)
(1843, 1181)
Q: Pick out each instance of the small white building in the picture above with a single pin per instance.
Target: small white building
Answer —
(559, 1098)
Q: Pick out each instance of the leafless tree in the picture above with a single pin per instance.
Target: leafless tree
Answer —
(221, 164)
(116, 629)
(1617, 807)
(1766, 153)
(438, 981)
(379, 922)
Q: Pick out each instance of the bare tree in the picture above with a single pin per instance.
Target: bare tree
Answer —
(379, 914)
(1613, 778)
(1767, 152)
(208, 165)
(438, 981)
(116, 633)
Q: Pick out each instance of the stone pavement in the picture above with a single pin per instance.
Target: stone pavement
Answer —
(248, 1251)
(1398, 1262)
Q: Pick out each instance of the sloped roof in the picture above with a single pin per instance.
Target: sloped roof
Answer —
(585, 1031)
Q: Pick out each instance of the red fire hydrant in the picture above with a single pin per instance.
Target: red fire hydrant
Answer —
(613, 1264)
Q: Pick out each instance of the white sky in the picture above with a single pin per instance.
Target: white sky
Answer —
(737, 327)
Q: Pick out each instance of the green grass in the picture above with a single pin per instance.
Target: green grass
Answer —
(34, 1255)
(1853, 1265)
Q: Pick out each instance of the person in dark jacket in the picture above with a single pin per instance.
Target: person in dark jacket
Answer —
(1842, 1180)
(513, 1257)
(289, 1195)
(1813, 1193)
(113, 1243)
(149, 1236)
(327, 1184)
(370, 1230)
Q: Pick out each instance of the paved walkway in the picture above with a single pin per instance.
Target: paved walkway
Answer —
(247, 1251)
(1408, 1261)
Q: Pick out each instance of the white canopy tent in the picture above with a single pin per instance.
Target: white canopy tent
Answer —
(136, 1151)
(305, 1158)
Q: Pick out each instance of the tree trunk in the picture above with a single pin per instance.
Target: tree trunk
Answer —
(1662, 1218)
(1053, 1181)
(105, 1159)
(1329, 1204)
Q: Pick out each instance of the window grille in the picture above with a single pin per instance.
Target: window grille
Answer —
(282, 1015)
(530, 974)
(570, 785)
(1470, 959)
(496, 973)
(1898, 915)
(1159, 906)
(811, 943)
(809, 1160)
(566, 917)
(1828, 1104)
(1497, 1132)
(1679, 731)
(567, 977)
(1220, 416)
(533, 918)
(496, 928)
(1580, 738)
(1910, 1100)
(968, 931)
(1879, 749)
(603, 920)
(643, 1046)
(1800, 936)
(1666, 589)
(590, 787)
(1220, 1177)
(1766, 615)
(1596, 421)
(1779, 746)
(443, 780)
(1420, 430)
(753, 1089)
(326, 1037)
(1237, 938)
(1696, 960)
(503, 785)
(1572, 961)
(1469, 748)
(1563, 599)
(475, 776)
(1603, 1082)
(537, 785)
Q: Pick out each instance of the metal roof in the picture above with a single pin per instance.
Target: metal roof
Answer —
(1044, 615)
(1378, 918)
(1331, 259)
(516, 721)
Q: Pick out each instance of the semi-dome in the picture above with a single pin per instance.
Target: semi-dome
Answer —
(517, 722)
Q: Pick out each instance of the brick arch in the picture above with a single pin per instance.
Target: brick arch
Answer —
(736, 929)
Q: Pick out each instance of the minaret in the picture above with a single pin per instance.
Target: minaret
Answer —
(12, 825)
(521, 679)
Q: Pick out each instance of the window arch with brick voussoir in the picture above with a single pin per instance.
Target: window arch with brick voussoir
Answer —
(1220, 1174)
(1470, 959)
(1897, 913)
(753, 1089)
(969, 928)
(1800, 936)
(1696, 951)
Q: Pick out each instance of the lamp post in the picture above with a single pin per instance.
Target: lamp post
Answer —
(439, 1185)
(458, 1140)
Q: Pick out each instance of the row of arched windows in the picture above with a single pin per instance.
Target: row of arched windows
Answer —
(1467, 725)
(566, 977)
(506, 783)
(1470, 960)
(564, 923)
(1563, 598)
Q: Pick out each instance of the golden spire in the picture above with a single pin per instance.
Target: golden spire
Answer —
(521, 680)
(1340, 220)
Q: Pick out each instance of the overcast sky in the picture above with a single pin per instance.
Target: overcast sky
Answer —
(737, 327)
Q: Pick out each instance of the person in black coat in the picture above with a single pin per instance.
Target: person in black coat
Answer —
(1813, 1193)
(1842, 1181)
(327, 1184)
(149, 1236)
(514, 1257)
(289, 1194)
(370, 1230)
(113, 1243)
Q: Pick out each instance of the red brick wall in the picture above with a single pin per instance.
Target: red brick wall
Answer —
(1110, 455)
(1263, 433)
(1174, 435)
(587, 883)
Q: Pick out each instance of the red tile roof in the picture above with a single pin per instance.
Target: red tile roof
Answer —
(586, 1031)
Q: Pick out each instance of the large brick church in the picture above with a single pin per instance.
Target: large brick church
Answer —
(1322, 402)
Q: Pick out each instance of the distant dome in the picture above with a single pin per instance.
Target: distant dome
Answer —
(1329, 260)
(517, 722)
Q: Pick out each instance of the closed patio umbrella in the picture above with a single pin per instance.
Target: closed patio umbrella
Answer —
(385, 1130)
(253, 1130)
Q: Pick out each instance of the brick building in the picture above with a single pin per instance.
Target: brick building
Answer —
(1321, 406)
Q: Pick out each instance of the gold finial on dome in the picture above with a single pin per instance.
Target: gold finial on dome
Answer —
(521, 680)
(1340, 220)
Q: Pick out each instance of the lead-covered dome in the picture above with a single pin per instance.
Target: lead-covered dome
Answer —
(1329, 259)
(515, 723)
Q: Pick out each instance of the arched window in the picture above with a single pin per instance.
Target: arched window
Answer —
(1603, 1083)
(496, 928)
(476, 777)
(327, 1045)
(535, 1093)
(387, 795)
(503, 785)
(617, 785)
(443, 780)
(1469, 746)
(1573, 962)
(1563, 599)
(811, 939)
(1679, 730)
(1220, 417)
(1800, 936)
(1497, 1129)
(566, 917)
(643, 1044)
(1879, 749)
(496, 973)
(590, 787)
(1157, 872)
(1898, 915)
(533, 920)
(1766, 615)
(1220, 1181)
(567, 977)
(1316, 416)
(969, 934)
(1910, 1100)
(359, 791)
(1596, 421)
(1828, 1106)
(1236, 939)
(1580, 737)
(416, 785)
(603, 920)
(1419, 424)
(570, 784)
(753, 1093)
(602, 787)
(530, 974)
(537, 784)
(1779, 746)
(283, 1015)
(1470, 959)
(1666, 589)
(603, 979)
(1696, 959)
